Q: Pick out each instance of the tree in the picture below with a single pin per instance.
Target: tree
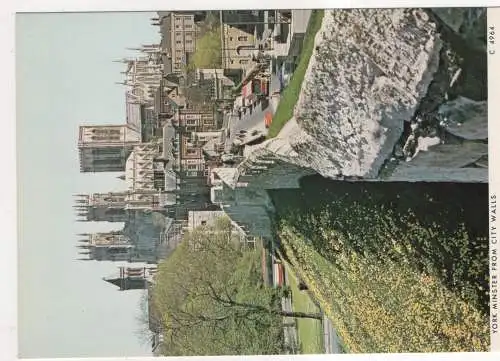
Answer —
(208, 52)
(212, 300)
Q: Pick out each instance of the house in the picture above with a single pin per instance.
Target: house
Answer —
(197, 119)
(180, 31)
(238, 47)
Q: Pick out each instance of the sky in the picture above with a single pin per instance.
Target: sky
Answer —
(65, 78)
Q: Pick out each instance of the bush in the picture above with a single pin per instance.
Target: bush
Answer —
(396, 267)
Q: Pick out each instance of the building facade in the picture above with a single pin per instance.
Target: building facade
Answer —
(191, 158)
(199, 119)
(132, 278)
(109, 246)
(113, 206)
(105, 148)
(203, 218)
(219, 86)
(238, 47)
(143, 171)
(179, 33)
(101, 207)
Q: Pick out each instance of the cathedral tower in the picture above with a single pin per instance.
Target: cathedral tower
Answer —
(105, 148)
(132, 278)
(101, 207)
(110, 246)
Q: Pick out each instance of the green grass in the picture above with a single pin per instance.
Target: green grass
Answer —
(291, 93)
(310, 331)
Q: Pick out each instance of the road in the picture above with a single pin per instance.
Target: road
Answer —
(254, 121)
(331, 339)
(289, 327)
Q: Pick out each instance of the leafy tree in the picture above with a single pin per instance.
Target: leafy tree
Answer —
(212, 299)
(208, 52)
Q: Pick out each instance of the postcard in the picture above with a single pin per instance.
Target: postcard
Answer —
(257, 182)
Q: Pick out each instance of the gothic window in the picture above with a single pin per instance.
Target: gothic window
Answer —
(114, 211)
(120, 250)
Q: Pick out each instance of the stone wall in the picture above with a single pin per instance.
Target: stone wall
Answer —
(368, 73)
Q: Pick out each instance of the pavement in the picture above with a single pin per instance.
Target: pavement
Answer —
(289, 327)
(331, 339)
(254, 121)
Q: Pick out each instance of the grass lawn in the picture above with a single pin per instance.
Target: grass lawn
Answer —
(291, 93)
(310, 331)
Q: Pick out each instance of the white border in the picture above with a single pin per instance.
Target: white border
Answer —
(8, 210)
(494, 148)
(148, 5)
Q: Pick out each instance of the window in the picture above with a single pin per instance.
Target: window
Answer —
(192, 167)
(189, 41)
(242, 38)
(178, 42)
(203, 223)
(244, 61)
(177, 26)
(178, 33)
(230, 38)
(188, 26)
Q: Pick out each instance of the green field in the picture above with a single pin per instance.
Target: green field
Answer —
(396, 267)
(290, 94)
(310, 331)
